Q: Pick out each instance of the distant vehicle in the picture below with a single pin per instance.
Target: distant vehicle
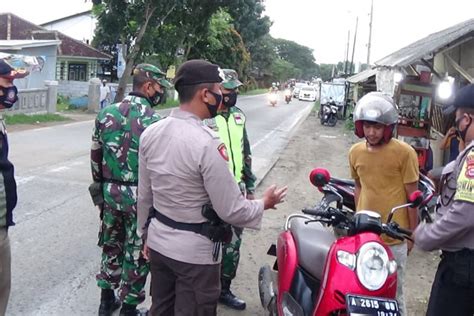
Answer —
(307, 93)
(297, 87)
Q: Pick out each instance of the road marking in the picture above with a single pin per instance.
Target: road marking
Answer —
(59, 169)
(327, 136)
(281, 128)
(24, 180)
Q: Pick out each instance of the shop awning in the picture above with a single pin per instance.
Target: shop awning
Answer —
(427, 47)
(362, 76)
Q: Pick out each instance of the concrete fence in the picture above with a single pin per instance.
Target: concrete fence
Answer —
(36, 101)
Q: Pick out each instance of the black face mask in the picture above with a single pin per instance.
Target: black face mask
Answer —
(459, 133)
(9, 97)
(212, 108)
(156, 98)
(229, 99)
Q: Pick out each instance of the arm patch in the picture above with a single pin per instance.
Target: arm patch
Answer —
(465, 181)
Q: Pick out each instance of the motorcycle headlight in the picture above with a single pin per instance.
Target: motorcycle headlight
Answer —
(372, 265)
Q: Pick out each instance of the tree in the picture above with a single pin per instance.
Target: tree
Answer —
(127, 23)
(283, 70)
(223, 44)
(299, 55)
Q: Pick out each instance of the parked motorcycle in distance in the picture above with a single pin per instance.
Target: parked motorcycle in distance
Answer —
(320, 275)
(273, 97)
(288, 96)
(328, 115)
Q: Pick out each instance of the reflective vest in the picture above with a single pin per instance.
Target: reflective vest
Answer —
(231, 133)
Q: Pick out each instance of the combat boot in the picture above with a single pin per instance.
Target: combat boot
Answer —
(131, 310)
(228, 298)
(108, 303)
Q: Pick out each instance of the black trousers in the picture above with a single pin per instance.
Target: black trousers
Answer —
(183, 289)
(453, 288)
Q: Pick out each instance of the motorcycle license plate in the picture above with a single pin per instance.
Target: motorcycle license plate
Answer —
(371, 306)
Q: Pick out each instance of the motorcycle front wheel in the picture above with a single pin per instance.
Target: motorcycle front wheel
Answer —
(332, 120)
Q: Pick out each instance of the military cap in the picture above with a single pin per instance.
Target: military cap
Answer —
(197, 71)
(464, 99)
(231, 79)
(154, 73)
(7, 71)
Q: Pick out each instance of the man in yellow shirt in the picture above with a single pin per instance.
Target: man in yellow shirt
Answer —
(385, 171)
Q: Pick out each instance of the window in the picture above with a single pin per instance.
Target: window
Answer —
(61, 71)
(77, 72)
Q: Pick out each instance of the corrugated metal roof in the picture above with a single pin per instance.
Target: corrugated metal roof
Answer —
(428, 45)
(362, 76)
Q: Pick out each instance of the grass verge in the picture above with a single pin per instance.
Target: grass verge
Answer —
(33, 119)
(170, 103)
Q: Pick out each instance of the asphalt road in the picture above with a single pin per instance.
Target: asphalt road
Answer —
(54, 252)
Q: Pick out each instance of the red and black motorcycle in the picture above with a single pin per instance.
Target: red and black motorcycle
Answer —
(316, 273)
(337, 188)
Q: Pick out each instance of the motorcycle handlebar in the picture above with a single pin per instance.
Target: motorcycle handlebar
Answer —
(314, 212)
(396, 232)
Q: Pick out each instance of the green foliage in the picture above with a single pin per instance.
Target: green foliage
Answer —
(224, 44)
(349, 124)
(170, 103)
(62, 103)
(283, 70)
(298, 55)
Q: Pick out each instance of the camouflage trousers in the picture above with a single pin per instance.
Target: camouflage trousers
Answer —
(122, 266)
(231, 255)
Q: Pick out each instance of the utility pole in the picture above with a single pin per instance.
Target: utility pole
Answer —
(370, 32)
(354, 45)
(347, 51)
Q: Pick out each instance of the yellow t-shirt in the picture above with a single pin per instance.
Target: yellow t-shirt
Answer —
(383, 173)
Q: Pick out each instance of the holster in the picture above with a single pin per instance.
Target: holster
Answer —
(217, 230)
(97, 195)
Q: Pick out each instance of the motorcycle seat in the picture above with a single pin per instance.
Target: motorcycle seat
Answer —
(347, 182)
(313, 242)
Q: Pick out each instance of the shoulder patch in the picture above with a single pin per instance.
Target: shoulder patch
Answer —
(465, 181)
(239, 118)
(223, 151)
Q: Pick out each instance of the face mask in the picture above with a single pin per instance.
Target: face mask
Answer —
(212, 108)
(229, 99)
(156, 98)
(9, 97)
(459, 133)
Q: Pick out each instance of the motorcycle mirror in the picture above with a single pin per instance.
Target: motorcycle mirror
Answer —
(415, 198)
(319, 177)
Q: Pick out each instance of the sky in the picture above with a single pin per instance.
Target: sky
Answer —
(323, 25)
(319, 24)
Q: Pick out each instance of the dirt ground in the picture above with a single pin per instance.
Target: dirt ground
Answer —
(312, 146)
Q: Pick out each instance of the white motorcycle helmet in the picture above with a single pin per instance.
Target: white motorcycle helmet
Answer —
(379, 108)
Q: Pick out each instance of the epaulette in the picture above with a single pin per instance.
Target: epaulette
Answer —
(209, 131)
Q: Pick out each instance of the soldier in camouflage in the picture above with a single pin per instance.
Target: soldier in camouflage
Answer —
(230, 125)
(114, 162)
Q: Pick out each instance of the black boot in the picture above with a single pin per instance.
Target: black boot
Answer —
(108, 303)
(131, 310)
(228, 299)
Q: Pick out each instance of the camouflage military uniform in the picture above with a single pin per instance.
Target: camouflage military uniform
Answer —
(114, 161)
(231, 251)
